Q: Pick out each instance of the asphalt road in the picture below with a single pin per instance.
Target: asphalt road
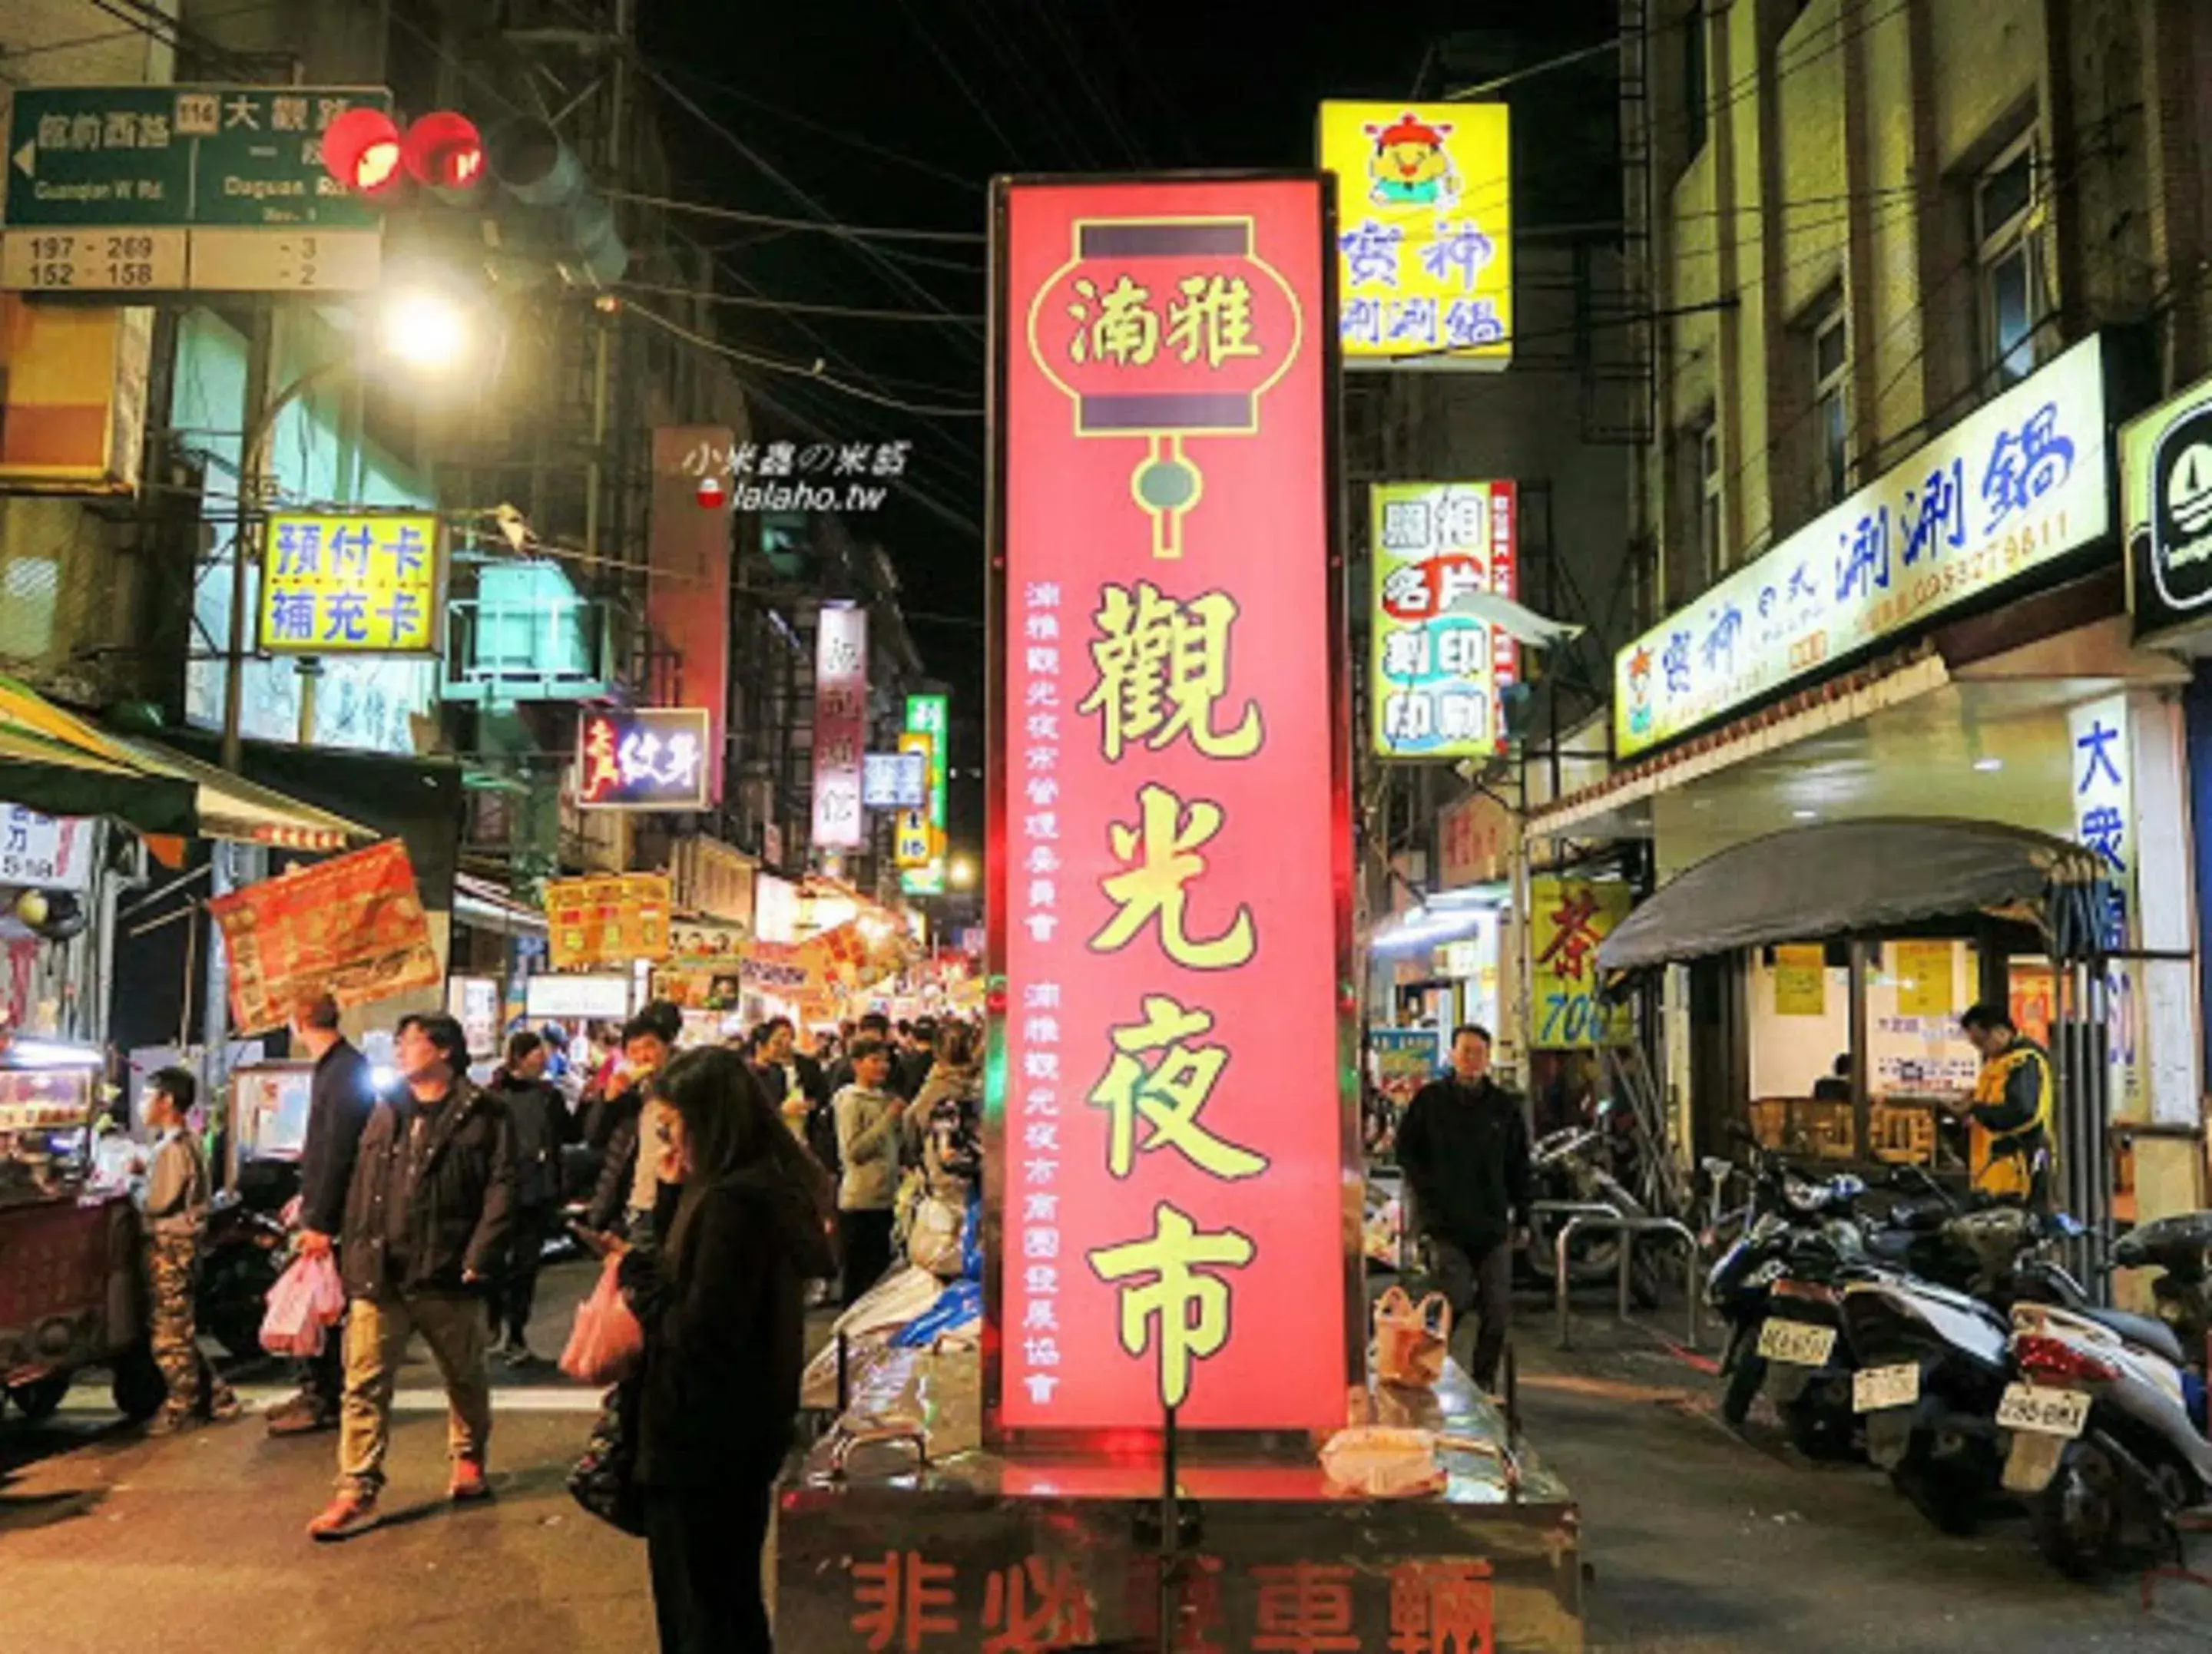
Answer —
(1698, 1540)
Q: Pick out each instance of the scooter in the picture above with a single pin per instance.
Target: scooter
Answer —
(241, 1254)
(1571, 1165)
(1740, 1285)
(1934, 1359)
(2107, 1429)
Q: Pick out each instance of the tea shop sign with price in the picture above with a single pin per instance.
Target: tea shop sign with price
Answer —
(642, 758)
(134, 189)
(1995, 502)
(1168, 807)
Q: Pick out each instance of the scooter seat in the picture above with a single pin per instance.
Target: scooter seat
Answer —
(2151, 1334)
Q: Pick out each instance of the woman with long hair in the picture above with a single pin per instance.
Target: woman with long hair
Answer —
(722, 1301)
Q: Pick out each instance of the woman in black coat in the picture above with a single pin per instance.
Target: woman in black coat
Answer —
(722, 1302)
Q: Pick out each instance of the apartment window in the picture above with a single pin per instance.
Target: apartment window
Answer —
(1695, 70)
(1832, 410)
(1710, 498)
(2005, 242)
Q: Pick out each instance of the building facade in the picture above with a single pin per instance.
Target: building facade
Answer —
(1912, 269)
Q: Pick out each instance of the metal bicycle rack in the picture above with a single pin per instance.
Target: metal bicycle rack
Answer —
(1630, 1230)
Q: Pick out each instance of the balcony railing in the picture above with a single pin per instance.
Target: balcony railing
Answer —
(501, 650)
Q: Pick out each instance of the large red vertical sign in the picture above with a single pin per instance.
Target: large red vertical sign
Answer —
(1168, 852)
(687, 588)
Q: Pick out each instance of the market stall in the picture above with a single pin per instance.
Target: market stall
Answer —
(70, 1292)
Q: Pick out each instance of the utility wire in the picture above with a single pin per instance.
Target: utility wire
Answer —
(798, 369)
(952, 73)
(793, 306)
(827, 227)
(928, 168)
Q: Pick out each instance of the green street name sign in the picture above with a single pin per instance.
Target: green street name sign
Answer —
(173, 187)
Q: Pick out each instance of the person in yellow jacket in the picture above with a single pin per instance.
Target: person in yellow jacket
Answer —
(2011, 1120)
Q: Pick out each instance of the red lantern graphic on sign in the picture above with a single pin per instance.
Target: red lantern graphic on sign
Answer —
(1166, 330)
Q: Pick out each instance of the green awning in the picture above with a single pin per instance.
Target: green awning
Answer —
(55, 778)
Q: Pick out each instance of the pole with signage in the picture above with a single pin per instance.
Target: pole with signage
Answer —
(1169, 873)
(139, 189)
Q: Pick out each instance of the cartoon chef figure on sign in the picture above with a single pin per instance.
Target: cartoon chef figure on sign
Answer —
(1409, 166)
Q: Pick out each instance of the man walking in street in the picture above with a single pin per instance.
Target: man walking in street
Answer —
(868, 1117)
(340, 1097)
(537, 1115)
(1463, 1146)
(426, 1220)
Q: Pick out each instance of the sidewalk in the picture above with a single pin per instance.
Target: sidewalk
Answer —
(1703, 1541)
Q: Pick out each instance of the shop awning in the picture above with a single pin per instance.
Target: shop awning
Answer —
(483, 904)
(228, 806)
(57, 763)
(1819, 882)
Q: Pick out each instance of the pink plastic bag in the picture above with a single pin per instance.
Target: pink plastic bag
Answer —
(306, 1301)
(607, 1343)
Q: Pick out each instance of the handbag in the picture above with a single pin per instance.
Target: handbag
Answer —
(1411, 1339)
(607, 1343)
(605, 1479)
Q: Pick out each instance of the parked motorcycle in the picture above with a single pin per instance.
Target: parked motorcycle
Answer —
(241, 1254)
(2107, 1419)
(1739, 1288)
(1933, 1360)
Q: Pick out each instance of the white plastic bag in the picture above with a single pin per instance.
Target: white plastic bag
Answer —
(933, 1243)
(1377, 1461)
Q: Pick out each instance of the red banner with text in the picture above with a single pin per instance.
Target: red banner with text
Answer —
(1167, 876)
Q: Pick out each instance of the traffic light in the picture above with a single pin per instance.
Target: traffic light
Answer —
(532, 165)
(444, 153)
(365, 150)
(560, 219)
(361, 150)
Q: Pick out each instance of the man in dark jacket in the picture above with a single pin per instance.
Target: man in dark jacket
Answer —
(538, 1117)
(340, 1096)
(1463, 1146)
(427, 1222)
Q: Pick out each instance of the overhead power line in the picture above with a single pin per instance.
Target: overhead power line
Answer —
(795, 306)
(826, 227)
(798, 370)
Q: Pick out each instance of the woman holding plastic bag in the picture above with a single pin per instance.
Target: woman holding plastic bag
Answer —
(722, 1306)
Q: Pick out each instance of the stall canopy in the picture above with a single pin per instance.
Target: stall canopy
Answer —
(1852, 875)
(56, 763)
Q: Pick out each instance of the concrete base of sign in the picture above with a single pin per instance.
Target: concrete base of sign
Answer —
(898, 1530)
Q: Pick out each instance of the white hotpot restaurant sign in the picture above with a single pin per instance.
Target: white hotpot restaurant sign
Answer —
(2016, 485)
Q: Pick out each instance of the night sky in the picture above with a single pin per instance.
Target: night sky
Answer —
(896, 112)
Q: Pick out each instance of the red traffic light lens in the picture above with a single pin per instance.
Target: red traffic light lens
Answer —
(443, 151)
(361, 150)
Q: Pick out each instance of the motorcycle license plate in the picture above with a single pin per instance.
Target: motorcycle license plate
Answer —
(1880, 1387)
(1800, 1343)
(2045, 1410)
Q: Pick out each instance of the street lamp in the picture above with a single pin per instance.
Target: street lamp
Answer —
(421, 327)
(963, 873)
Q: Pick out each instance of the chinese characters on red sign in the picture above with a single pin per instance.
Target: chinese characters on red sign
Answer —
(841, 726)
(904, 1603)
(1165, 833)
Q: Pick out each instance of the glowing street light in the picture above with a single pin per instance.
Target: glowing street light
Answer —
(963, 873)
(425, 329)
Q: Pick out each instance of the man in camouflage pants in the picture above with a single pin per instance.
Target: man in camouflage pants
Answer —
(176, 1201)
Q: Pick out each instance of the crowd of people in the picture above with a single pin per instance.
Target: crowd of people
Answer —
(734, 1182)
